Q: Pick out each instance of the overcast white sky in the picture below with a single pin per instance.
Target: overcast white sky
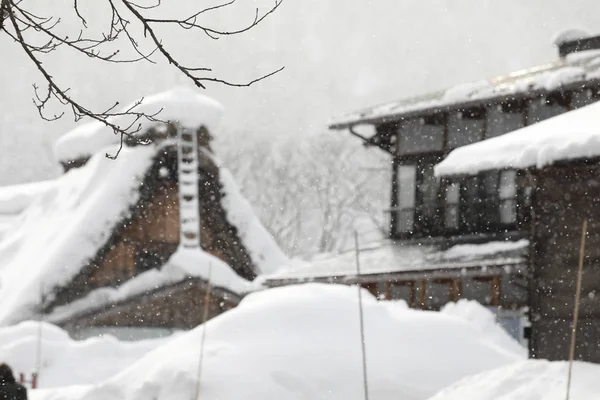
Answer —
(339, 55)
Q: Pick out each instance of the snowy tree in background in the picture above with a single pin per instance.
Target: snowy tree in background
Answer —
(312, 193)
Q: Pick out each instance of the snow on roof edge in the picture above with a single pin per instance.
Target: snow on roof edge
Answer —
(180, 104)
(537, 79)
(568, 136)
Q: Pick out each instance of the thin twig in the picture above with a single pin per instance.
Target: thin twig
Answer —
(577, 300)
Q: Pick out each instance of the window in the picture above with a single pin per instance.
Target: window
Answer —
(582, 98)
(421, 135)
(508, 197)
(483, 203)
(541, 109)
(407, 187)
(465, 127)
(470, 213)
(503, 118)
(427, 186)
(451, 221)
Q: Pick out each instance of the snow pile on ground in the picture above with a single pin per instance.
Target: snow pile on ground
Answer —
(303, 342)
(183, 105)
(485, 321)
(263, 249)
(527, 380)
(572, 135)
(183, 263)
(65, 226)
(65, 361)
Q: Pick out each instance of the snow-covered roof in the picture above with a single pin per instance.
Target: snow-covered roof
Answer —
(183, 105)
(572, 135)
(573, 69)
(14, 199)
(64, 228)
(392, 257)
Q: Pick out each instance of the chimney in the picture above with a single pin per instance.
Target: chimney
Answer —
(578, 44)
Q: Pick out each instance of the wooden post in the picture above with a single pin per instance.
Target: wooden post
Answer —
(422, 293)
(495, 296)
(388, 290)
(458, 283)
(413, 294)
(451, 291)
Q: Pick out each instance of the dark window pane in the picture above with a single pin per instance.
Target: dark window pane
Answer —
(508, 194)
(416, 136)
(452, 203)
(407, 186)
(463, 131)
(428, 191)
(500, 122)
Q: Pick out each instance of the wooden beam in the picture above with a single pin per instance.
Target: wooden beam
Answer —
(388, 290)
(413, 294)
(451, 291)
(495, 294)
(459, 287)
(422, 293)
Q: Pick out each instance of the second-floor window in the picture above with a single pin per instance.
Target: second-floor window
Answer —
(483, 203)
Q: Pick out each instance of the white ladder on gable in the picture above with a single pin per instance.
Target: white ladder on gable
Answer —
(189, 210)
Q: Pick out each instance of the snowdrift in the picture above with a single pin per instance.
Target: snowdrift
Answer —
(65, 361)
(527, 380)
(303, 343)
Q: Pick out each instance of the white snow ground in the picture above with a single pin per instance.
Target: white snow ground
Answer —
(303, 343)
(65, 361)
(527, 380)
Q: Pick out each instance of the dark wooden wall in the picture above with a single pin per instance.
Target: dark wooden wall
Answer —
(180, 306)
(563, 197)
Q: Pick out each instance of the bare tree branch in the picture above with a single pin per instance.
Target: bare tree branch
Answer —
(37, 35)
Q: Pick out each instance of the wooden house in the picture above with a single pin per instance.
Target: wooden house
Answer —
(113, 234)
(558, 164)
(485, 211)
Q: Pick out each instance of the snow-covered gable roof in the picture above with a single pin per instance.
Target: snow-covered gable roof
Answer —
(389, 257)
(182, 105)
(64, 228)
(574, 69)
(569, 136)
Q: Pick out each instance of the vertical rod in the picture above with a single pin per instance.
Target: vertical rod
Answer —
(577, 299)
(360, 313)
(38, 352)
(203, 339)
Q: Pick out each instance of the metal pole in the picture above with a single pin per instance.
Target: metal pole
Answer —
(203, 339)
(360, 313)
